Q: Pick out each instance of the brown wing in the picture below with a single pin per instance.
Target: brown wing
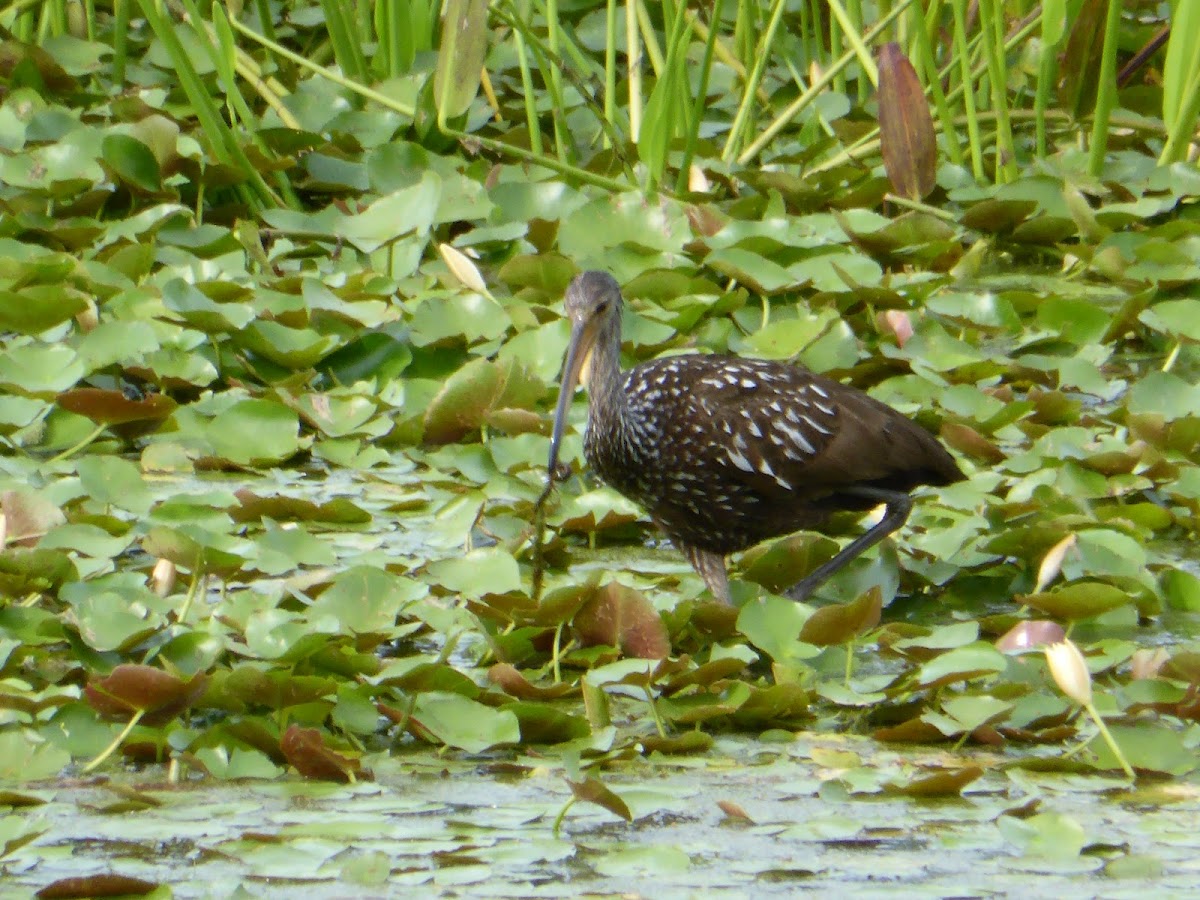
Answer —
(782, 430)
(765, 421)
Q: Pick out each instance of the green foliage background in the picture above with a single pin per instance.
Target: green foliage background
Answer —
(280, 299)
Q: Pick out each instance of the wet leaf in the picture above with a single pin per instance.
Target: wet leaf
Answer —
(255, 432)
(459, 722)
(364, 599)
(688, 742)
(477, 573)
(1051, 835)
(962, 664)
(779, 565)
(38, 308)
(1149, 747)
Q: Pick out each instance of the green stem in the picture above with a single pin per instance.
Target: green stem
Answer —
(800, 103)
(918, 206)
(117, 741)
(71, 451)
(193, 591)
(1106, 95)
(329, 74)
(658, 722)
(1108, 739)
(556, 657)
(750, 88)
(562, 814)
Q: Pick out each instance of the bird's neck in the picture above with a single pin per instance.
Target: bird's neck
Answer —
(606, 395)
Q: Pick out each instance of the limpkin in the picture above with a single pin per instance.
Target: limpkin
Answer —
(725, 452)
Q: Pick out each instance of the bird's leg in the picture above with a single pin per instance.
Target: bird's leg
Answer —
(898, 504)
(711, 567)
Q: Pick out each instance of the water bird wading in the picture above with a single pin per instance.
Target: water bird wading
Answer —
(725, 452)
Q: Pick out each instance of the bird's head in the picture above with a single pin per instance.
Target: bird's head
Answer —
(592, 296)
(593, 302)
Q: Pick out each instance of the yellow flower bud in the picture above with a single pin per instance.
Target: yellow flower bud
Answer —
(1070, 671)
(162, 579)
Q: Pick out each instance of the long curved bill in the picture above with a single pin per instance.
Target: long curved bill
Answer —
(583, 336)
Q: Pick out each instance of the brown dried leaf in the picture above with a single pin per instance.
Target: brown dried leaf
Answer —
(913, 730)
(27, 517)
(705, 221)
(1081, 59)
(281, 508)
(107, 407)
(509, 679)
(948, 782)
(107, 884)
(734, 811)
(305, 749)
(1184, 665)
(677, 745)
(131, 687)
(843, 622)
(619, 616)
(906, 134)
(966, 439)
(591, 790)
(706, 674)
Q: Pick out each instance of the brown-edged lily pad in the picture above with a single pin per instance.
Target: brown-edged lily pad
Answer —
(592, 790)
(843, 622)
(105, 884)
(510, 680)
(619, 616)
(132, 688)
(305, 749)
(107, 407)
(947, 782)
(281, 508)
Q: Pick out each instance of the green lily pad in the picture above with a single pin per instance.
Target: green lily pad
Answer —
(1082, 600)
